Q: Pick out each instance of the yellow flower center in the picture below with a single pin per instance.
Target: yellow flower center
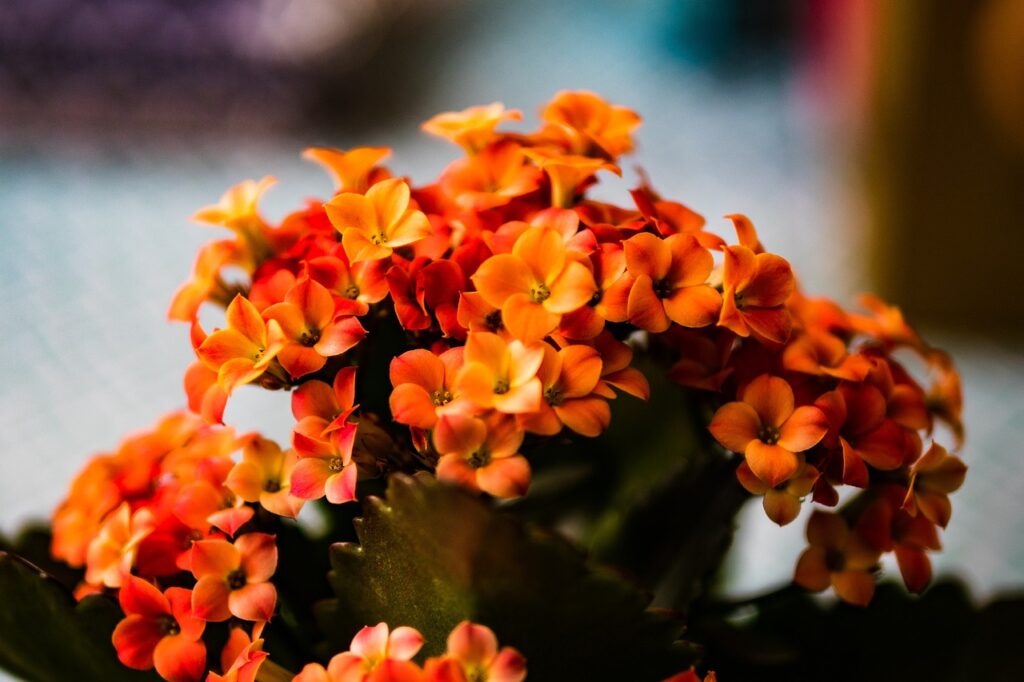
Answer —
(335, 464)
(378, 238)
(501, 386)
(309, 337)
(540, 293)
(441, 397)
(236, 579)
(768, 434)
(480, 458)
(168, 626)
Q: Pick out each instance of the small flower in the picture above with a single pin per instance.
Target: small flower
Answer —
(424, 386)
(535, 284)
(765, 427)
(233, 579)
(492, 178)
(670, 282)
(472, 128)
(160, 630)
(568, 379)
(781, 503)
(587, 124)
(374, 224)
(375, 655)
(354, 170)
(312, 329)
(264, 476)
(482, 454)
(244, 350)
(932, 478)
(500, 374)
(473, 656)
(756, 288)
(112, 552)
(836, 557)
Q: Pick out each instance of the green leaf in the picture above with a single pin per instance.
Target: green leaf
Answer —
(431, 555)
(46, 636)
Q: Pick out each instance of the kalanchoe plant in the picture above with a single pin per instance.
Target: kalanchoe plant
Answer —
(463, 344)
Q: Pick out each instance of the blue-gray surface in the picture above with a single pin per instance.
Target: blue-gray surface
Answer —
(95, 238)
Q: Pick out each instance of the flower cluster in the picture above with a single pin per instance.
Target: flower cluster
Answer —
(378, 654)
(521, 303)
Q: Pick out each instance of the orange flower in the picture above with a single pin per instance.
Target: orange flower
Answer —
(375, 655)
(670, 282)
(472, 128)
(205, 280)
(238, 210)
(671, 217)
(822, 354)
(325, 466)
(567, 172)
(161, 630)
(244, 350)
(587, 124)
(205, 396)
(374, 224)
(492, 178)
(858, 425)
(472, 655)
(477, 315)
(609, 302)
(312, 329)
(837, 557)
(482, 454)
(111, 554)
(264, 476)
(766, 428)
(932, 479)
(206, 501)
(355, 286)
(234, 579)
(616, 372)
(757, 287)
(535, 284)
(353, 171)
(424, 386)
(781, 503)
(500, 374)
(568, 379)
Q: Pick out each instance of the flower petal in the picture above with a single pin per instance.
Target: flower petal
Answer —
(771, 397)
(255, 601)
(771, 463)
(735, 425)
(804, 429)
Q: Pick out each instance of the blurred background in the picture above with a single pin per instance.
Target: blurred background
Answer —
(877, 145)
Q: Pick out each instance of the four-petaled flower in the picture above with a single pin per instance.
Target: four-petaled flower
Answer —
(234, 579)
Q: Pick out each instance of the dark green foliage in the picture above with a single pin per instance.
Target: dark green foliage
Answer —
(45, 636)
(431, 555)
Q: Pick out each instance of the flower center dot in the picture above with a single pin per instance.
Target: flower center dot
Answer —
(663, 288)
(501, 386)
(310, 337)
(480, 458)
(540, 293)
(236, 579)
(768, 435)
